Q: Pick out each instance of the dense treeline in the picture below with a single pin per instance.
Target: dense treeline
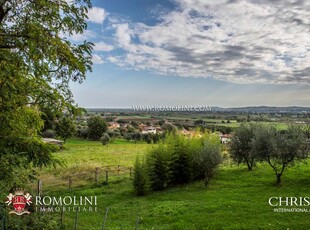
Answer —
(177, 160)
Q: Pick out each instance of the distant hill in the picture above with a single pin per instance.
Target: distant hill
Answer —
(248, 109)
(265, 109)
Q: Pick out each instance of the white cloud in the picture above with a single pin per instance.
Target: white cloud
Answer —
(86, 35)
(101, 46)
(240, 41)
(96, 15)
(96, 59)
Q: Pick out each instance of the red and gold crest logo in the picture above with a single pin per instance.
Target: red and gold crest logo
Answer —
(19, 202)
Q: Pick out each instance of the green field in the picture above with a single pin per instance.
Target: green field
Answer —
(235, 198)
(83, 155)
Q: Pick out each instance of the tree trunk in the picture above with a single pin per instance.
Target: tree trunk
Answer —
(279, 178)
(249, 165)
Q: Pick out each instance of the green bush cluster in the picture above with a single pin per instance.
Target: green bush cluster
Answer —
(178, 160)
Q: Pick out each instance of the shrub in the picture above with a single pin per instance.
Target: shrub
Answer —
(49, 133)
(178, 160)
(82, 133)
(181, 160)
(105, 139)
(210, 156)
(158, 168)
(96, 126)
(140, 178)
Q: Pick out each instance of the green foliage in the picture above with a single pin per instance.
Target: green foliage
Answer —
(82, 133)
(65, 128)
(209, 157)
(37, 64)
(169, 128)
(96, 127)
(140, 178)
(147, 138)
(241, 145)
(158, 167)
(181, 159)
(34, 221)
(280, 149)
(49, 133)
(137, 136)
(105, 139)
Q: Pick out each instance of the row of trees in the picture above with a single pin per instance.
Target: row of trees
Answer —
(253, 143)
(177, 160)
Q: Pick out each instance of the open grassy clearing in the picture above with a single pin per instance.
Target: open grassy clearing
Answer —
(84, 155)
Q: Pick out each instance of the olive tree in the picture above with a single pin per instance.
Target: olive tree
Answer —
(280, 149)
(241, 145)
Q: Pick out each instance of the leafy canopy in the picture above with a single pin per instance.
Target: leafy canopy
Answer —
(37, 62)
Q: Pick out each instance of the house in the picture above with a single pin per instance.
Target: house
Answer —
(142, 126)
(159, 130)
(113, 125)
(225, 138)
(149, 129)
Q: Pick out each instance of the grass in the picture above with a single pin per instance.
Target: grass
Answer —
(83, 155)
(234, 199)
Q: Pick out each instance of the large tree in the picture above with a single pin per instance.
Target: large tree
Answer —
(37, 62)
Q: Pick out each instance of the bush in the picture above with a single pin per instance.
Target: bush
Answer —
(96, 126)
(181, 160)
(105, 139)
(140, 178)
(209, 157)
(178, 160)
(158, 168)
(49, 133)
(82, 133)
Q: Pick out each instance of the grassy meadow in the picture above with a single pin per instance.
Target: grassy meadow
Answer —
(234, 199)
(81, 155)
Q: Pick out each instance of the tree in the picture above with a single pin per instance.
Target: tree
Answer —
(199, 122)
(158, 168)
(140, 179)
(170, 128)
(37, 63)
(181, 159)
(280, 149)
(96, 127)
(137, 136)
(241, 145)
(65, 128)
(105, 139)
(208, 157)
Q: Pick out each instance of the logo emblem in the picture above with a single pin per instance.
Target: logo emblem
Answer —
(19, 201)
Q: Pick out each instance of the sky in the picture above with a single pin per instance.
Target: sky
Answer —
(227, 53)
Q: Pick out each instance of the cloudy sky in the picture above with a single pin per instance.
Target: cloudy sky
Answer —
(197, 52)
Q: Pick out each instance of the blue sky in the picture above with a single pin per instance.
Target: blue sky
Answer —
(197, 52)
